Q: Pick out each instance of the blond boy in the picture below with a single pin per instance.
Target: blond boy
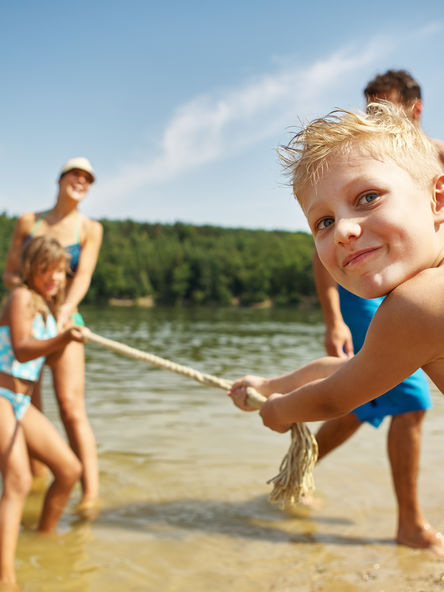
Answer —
(372, 190)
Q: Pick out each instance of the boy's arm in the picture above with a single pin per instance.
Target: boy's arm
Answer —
(338, 338)
(286, 383)
(401, 338)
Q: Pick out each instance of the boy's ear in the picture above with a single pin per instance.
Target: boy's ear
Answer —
(438, 199)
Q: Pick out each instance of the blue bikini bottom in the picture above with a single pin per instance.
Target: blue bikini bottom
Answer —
(19, 402)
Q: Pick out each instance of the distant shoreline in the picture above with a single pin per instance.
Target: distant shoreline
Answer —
(149, 302)
(143, 264)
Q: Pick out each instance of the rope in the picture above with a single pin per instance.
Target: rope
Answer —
(295, 477)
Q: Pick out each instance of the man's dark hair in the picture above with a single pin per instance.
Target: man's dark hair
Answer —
(399, 80)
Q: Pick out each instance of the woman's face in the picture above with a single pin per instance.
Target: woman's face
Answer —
(75, 184)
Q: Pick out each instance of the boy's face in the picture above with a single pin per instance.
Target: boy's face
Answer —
(374, 226)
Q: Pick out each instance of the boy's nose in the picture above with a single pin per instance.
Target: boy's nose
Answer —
(347, 229)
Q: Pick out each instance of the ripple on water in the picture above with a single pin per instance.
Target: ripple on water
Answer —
(183, 474)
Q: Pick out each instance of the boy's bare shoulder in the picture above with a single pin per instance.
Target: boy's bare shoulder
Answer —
(409, 324)
(431, 278)
(419, 299)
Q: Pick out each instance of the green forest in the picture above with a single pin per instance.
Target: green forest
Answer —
(182, 264)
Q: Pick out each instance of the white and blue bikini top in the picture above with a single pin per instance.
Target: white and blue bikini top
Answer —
(41, 329)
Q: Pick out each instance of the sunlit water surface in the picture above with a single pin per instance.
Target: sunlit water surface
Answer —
(183, 474)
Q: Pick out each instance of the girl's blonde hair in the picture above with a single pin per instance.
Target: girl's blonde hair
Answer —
(384, 131)
(38, 254)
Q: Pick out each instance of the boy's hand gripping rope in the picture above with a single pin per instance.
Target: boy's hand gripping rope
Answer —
(295, 477)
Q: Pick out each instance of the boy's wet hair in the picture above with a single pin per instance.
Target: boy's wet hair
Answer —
(39, 254)
(394, 80)
(384, 131)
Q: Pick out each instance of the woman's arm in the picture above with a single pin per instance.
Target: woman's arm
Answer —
(22, 228)
(88, 259)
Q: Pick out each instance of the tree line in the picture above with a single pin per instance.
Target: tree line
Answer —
(180, 263)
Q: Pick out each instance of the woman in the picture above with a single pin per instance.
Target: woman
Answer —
(81, 237)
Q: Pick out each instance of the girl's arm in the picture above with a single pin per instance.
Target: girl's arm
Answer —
(24, 345)
(22, 228)
(82, 278)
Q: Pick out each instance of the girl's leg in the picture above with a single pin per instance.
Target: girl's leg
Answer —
(17, 481)
(45, 443)
(69, 382)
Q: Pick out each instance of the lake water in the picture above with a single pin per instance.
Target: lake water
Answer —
(183, 474)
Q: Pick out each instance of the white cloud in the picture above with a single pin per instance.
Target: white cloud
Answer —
(428, 30)
(212, 127)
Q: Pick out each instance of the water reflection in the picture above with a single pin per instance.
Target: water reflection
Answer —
(183, 473)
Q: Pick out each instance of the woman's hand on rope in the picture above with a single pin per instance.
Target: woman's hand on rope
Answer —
(270, 414)
(238, 391)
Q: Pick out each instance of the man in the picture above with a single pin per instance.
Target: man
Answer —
(347, 318)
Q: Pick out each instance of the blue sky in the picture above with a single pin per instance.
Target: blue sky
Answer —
(181, 105)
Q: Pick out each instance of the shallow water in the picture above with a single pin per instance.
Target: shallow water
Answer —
(183, 474)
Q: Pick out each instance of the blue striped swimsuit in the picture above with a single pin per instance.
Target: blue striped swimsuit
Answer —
(41, 329)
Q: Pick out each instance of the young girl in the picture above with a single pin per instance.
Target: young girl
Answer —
(28, 333)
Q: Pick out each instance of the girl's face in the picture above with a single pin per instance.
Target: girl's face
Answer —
(48, 282)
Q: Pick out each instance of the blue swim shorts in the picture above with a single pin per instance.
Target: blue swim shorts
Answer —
(411, 395)
(19, 402)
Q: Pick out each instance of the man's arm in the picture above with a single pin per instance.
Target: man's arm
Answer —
(338, 339)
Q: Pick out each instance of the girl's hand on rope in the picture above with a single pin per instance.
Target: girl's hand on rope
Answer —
(76, 333)
(238, 391)
(270, 414)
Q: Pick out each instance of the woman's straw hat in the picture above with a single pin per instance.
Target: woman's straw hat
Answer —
(80, 162)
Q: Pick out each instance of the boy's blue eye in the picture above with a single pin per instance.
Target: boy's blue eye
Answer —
(368, 197)
(324, 223)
